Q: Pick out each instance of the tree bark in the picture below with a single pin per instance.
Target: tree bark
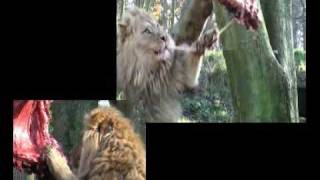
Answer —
(164, 18)
(193, 16)
(278, 19)
(304, 24)
(121, 4)
(299, 19)
(139, 3)
(125, 4)
(147, 5)
(262, 84)
(68, 119)
(304, 36)
(173, 7)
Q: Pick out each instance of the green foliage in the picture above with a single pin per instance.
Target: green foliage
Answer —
(200, 109)
(300, 60)
(212, 102)
(299, 56)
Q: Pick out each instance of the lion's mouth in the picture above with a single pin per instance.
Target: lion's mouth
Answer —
(162, 53)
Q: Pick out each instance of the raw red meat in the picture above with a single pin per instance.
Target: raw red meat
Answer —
(31, 134)
(245, 12)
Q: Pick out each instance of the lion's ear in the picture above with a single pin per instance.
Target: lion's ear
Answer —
(126, 23)
(125, 28)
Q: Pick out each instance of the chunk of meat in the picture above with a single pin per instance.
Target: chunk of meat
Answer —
(31, 135)
(245, 12)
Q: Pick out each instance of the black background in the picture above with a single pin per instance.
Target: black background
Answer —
(68, 51)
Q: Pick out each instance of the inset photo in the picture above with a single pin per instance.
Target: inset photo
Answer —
(221, 61)
(76, 139)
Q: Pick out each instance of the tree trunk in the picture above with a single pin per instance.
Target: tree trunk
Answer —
(295, 26)
(164, 14)
(304, 35)
(193, 16)
(124, 7)
(295, 32)
(121, 6)
(173, 7)
(262, 85)
(147, 5)
(278, 19)
(138, 3)
(68, 119)
(304, 24)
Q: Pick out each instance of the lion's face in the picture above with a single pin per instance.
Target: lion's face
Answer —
(146, 36)
(153, 40)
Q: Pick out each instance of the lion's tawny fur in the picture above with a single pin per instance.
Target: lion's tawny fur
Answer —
(112, 147)
(110, 150)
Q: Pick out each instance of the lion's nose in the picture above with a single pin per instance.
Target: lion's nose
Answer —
(163, 38)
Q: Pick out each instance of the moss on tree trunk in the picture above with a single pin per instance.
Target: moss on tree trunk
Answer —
(261, 86)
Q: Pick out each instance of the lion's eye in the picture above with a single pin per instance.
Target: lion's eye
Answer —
(147, 31)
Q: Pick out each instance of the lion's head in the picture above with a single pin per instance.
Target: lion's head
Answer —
(140, 32)
(110, 143)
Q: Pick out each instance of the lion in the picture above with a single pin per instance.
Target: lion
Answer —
(110, 150)
(151, 72)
